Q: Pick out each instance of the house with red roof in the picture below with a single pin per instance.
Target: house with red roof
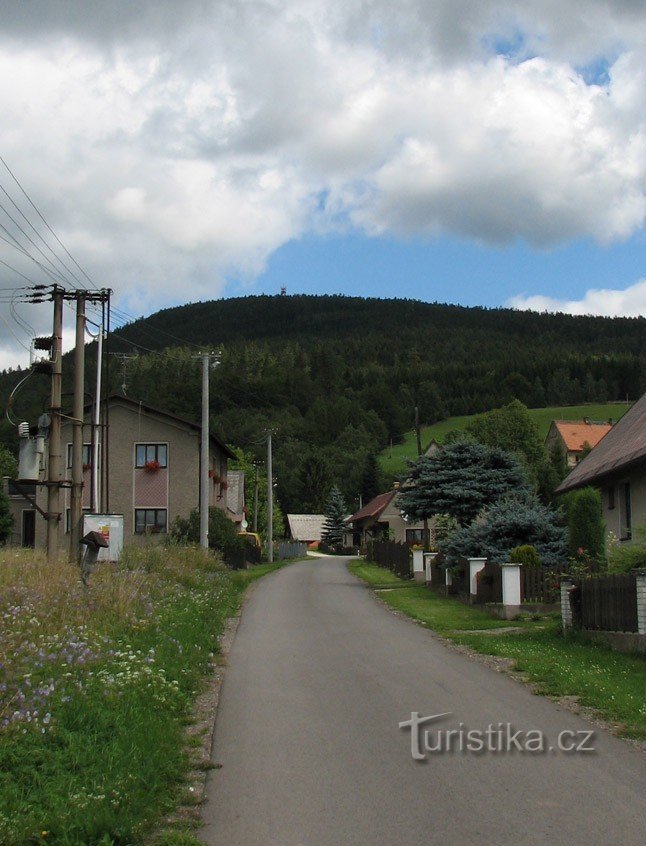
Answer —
(381, 519)
(577, 437)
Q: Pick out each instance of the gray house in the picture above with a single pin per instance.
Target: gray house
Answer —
(617, 466)
(153, 461)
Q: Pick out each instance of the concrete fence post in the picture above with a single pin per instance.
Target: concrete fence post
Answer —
(511, 588)
(429, 561)
(641, 600)
(448, 577)
(418, 565)
(566, 609)
(475, 565)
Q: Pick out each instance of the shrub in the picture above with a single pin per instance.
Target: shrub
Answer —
(586, 531)
(623, 558)
(6, 520)
(525, 555)
(223, 534)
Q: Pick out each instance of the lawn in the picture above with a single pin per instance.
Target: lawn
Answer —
(393, 459)
(609, 682)
(97, 687)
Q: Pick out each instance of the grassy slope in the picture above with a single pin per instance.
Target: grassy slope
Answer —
(611, 683)
(97, 686)
(393, 460)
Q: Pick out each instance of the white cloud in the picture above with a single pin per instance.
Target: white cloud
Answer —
(172, 144)
(631, 302)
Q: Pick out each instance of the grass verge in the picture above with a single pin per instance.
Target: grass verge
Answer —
(96, 689)
(611, 683)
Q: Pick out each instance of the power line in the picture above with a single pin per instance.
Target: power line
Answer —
(40, 215)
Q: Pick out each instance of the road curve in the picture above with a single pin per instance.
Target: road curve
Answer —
(310, 753)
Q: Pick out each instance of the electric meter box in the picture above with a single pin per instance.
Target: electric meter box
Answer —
(111, 527)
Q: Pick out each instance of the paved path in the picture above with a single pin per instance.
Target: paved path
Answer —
(320, 674)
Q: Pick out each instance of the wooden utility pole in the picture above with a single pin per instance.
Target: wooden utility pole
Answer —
(418, 433)
(55, 459)
(76, 501)
(255, 500)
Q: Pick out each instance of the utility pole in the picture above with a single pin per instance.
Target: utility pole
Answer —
(76, 501)
(418, 433)
(54, 463)
(270, 501)
(96, 420)
(204, 455)
(255, 500)
(426, 539)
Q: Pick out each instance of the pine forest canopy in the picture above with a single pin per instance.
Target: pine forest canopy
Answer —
(339, 377)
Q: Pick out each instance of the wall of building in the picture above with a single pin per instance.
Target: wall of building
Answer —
(614, 514)
(175, 488)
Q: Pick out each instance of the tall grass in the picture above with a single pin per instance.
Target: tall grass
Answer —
(96, 685)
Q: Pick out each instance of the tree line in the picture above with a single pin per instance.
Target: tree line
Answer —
(339, 378)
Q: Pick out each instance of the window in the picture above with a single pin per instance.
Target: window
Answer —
(151, 520)
(611, 497)
(68, 519)
(626, 516)
(22, 488)
(414, 537)
(147, 453)
(87, 455)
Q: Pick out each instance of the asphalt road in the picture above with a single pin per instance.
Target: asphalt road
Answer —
(320, 675)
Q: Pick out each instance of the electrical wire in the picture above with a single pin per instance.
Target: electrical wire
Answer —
(8, 325)
(13, 394)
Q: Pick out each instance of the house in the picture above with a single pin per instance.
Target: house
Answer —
(307, 528)
(575, 437)
(617, 466)
(382, 519)
(153, 461)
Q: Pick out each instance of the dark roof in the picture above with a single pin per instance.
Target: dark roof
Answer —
(373, 508)
(622, 447)
(136, 404)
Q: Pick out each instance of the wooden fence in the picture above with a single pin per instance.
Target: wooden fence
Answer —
(539, 584)
(489, 584)
(392, 555)
(605, 603)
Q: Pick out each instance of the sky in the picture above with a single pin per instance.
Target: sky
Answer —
(484, 153)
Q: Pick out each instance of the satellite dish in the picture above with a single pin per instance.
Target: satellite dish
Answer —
(244, 525)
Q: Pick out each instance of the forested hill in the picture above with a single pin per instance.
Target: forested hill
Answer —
(338, 377)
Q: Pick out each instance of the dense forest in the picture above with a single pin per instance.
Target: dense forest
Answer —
(338, 377)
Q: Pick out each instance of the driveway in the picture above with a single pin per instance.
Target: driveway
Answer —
(310, 752)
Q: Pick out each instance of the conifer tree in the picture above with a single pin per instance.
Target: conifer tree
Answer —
(459, 480)
(335, 514)
(370, 481)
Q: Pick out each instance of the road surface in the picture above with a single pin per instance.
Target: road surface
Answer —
(307, 735)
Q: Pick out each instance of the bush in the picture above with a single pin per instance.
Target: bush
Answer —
(525, 555)
(623, 558)
(586, 530)
(6, 520)
(223, 534)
